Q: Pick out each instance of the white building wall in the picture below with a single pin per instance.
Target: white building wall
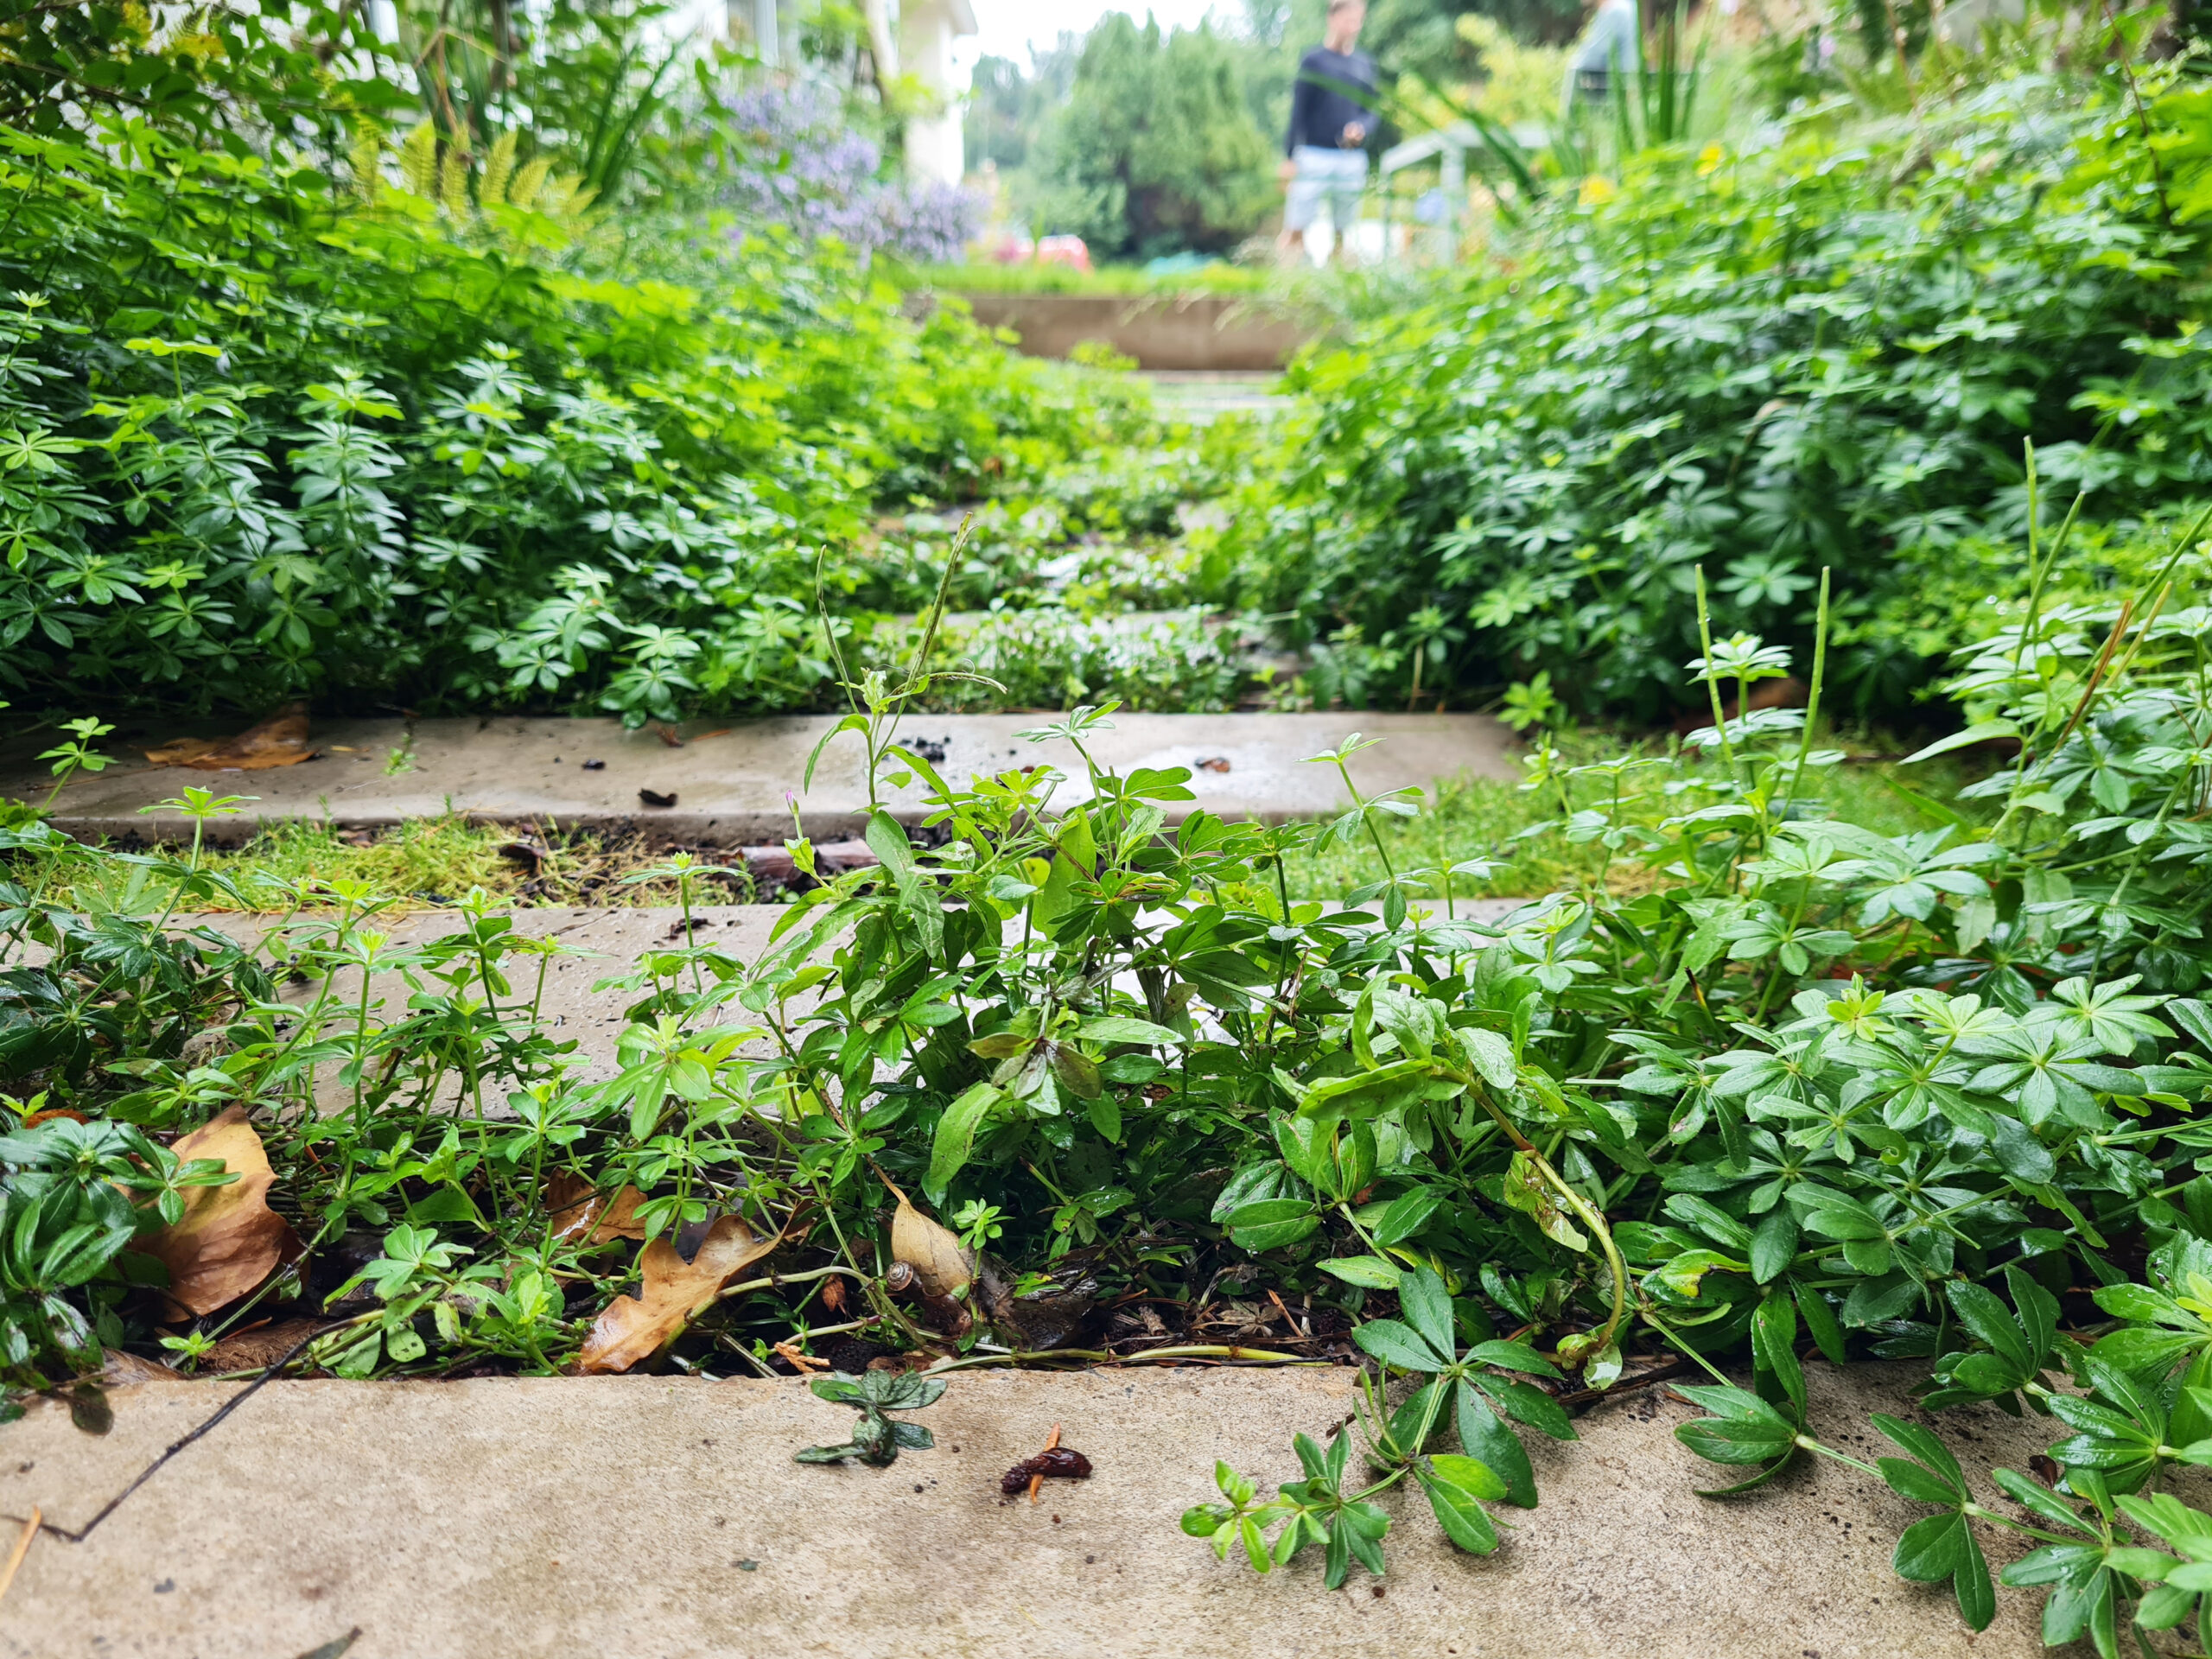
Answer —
(936, 148)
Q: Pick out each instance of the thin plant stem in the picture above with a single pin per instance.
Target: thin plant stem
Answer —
(1712, 682)
(1812, 699)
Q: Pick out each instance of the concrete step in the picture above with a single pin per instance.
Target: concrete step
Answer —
(599, 945)
(663, 1518)
(736, 785)
(1161, 331)
(1202, 396)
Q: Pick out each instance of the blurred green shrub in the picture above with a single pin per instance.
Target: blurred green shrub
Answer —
(1824, 352)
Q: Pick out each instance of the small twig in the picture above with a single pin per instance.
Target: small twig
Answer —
(1150, 1355)
(229, 1406)
(788, 1352)
(1037, 1482)
(746, 1354)
(775, 1280)
(22, 1547)
(1643, 1380)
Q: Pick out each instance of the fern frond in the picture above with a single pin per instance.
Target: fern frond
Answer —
(452, 183)
(557, 198)
(530, 182)
(499, 167)
(418, 159)
(366, 157)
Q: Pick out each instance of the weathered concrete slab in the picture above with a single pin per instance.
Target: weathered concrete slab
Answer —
(1202, 396)
(1160, 331)
(659, 1517)
(598, 945)
(736, 785)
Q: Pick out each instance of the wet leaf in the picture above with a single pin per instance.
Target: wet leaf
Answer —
(1527, 1192)
(228, 1241)
(931, 1249)
(1453, 1484)
(1368, 1272)
(674, 1291)
(279, 740)
(578, 1212)
(1077, 1074)
(249, 1351)
(89, 1409)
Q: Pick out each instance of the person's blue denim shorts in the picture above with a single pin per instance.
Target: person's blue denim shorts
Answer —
(1339, 176)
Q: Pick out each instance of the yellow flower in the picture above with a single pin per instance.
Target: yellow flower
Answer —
(1709, 159)
(1596, 190)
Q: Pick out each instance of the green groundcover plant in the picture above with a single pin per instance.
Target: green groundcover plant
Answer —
(296, 403)
(1819, 344)
(1816, 1091)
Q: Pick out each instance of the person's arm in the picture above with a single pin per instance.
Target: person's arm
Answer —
(1365, 98)
(1301, 93)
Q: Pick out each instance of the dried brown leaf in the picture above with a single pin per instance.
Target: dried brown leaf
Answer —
(633, 1328)
(230, 1240)
(249, 1350)
(933, 1252)
(120, 1369)
(279, 740)
(579, 1213)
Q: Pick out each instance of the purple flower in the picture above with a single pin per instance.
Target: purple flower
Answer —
(793, 160)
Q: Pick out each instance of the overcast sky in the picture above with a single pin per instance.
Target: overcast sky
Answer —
(1009, 26)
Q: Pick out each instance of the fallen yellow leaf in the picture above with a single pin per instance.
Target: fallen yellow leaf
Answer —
(578, 1212)
(674, 1292)
(279, 740)
(931, 1250)
(229, 1240)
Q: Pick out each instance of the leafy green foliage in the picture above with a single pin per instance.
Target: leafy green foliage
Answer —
(877, 1437)
(1791, 1084)
(1318, 1510)
(347, 420)
(1759, 362)
(1152, 151)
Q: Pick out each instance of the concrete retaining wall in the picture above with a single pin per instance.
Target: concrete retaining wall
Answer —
(1182, 331)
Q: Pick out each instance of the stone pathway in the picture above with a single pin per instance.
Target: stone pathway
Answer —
(736, 785)
(663, 1518)
(1204, 396)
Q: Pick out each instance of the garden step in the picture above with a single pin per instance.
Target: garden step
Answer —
(735, 785)
(600, 945)
(1203, 395)
(660, 1516)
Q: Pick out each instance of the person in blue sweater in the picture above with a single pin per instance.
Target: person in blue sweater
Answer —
(1611, 47)
(1332, 114)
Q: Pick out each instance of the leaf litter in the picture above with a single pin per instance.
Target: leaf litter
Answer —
(279, 740)
(672, 1292)
(228, 1241)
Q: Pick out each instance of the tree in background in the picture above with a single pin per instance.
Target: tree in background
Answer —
(1007, 109)
(1154, 151)
(1147, 142)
